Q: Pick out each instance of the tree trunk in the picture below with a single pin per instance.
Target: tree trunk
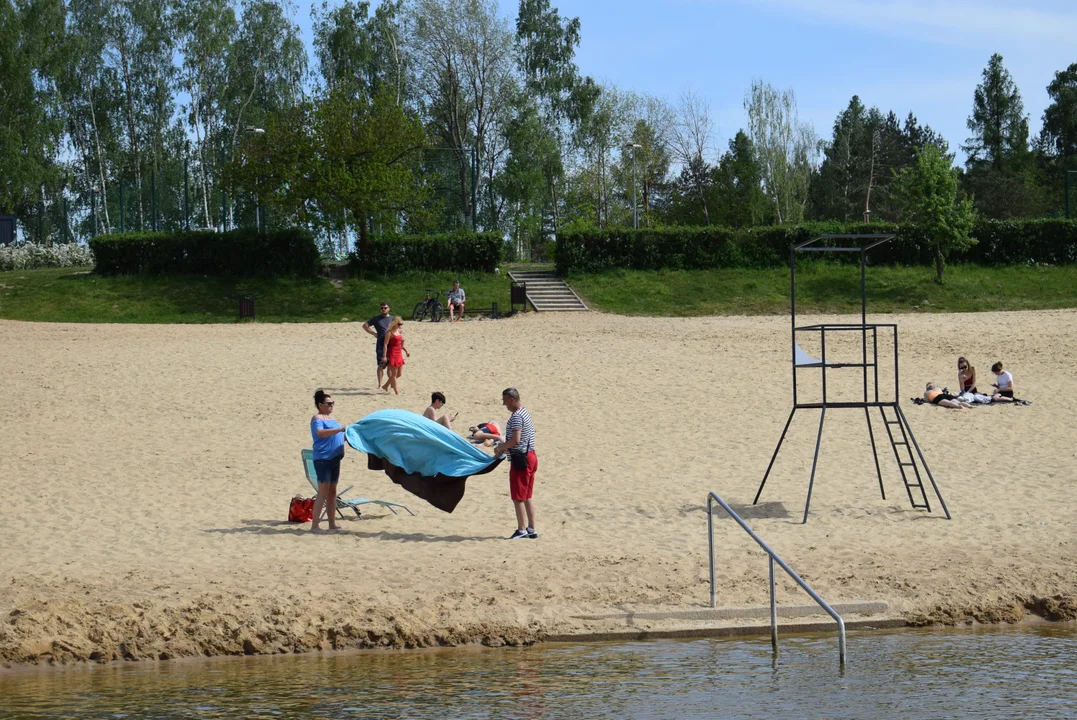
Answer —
(940, 263)
(364, 237)
(100, 166)
(131, 128)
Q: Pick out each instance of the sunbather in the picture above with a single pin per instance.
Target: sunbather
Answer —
(486, 433)
(935, 396)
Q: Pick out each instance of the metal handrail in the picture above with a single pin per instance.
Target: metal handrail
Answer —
(712, 497)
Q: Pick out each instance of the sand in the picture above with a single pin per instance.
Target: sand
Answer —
(147, 472)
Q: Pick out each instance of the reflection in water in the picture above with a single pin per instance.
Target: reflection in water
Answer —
(987, 672)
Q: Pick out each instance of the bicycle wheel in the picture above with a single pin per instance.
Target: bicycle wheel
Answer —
(435, 316)
(419, 312)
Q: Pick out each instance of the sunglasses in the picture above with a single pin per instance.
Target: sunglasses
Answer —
(962, 367)
(330, 403)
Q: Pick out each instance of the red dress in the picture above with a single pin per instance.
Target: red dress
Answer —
(395, 354)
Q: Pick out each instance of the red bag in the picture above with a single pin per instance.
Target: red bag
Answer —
(301, 509)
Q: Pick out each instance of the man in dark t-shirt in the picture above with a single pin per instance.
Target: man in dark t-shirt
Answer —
(377, 326)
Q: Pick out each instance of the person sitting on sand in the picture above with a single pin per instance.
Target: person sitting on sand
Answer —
(486, 434)
(966, 376)
(437, 401)
(1004, 386)
(935, 396)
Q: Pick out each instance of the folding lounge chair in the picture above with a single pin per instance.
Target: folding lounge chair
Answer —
(344, 503)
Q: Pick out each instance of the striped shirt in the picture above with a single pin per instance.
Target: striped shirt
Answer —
(521, 420)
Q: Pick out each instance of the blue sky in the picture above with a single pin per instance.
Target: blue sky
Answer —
(919, 55)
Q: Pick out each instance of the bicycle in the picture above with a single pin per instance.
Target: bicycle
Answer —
(431, 306)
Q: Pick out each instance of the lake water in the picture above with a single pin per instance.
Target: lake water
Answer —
(992, 672)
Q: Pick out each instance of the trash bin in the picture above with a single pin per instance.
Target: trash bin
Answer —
(246, 307)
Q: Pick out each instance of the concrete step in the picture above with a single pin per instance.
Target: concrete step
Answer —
(548, 293)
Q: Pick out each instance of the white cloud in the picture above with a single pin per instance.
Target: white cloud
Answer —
(947, 21)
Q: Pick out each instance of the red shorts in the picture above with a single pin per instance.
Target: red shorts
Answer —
(522, 482)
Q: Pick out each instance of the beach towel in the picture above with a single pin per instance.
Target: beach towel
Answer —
(422, 456)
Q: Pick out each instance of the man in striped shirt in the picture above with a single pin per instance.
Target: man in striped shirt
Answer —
(523, 463)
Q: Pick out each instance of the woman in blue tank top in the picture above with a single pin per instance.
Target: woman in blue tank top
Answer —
(328, 436)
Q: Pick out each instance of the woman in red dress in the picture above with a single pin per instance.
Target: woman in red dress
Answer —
(394, 353)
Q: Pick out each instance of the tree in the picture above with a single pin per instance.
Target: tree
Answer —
(546, 51)
(463, 55)
(786, 148)
(1059, 133)
(739, 197)
(929, 194)
(691, 141)
(207, 30)
(998, 121)
(341, 155)
(31, 124)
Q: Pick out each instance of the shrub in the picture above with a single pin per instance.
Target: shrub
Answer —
(30, 256)
(1000, 242)
(243, 253)
(460, 251)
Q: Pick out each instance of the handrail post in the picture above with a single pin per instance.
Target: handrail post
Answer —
(710, 545)
(773, 609)
(712, 497)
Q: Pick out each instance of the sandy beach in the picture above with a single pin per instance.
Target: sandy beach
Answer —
(147, 473)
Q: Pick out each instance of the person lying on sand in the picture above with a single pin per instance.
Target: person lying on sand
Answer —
(485, 434)
(935, 396)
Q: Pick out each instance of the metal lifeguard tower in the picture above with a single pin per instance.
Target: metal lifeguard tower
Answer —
(913, 468)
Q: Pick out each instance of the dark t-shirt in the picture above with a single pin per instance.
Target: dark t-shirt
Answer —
(380, 323)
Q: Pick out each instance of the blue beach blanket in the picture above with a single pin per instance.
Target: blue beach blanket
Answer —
(425, 458)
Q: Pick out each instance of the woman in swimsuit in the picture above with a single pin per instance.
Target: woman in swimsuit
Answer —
(943, 399)
(966, 376)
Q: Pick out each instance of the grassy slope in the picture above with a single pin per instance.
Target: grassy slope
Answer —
(828, 288)
(75, 295)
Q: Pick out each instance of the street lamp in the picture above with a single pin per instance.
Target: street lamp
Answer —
(635, 205)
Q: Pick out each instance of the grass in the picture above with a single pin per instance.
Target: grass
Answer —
(77, 295)
(828, 288)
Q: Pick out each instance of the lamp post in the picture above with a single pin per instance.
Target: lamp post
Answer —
(635, 205)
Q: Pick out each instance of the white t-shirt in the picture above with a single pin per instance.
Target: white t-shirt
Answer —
(1005, 380)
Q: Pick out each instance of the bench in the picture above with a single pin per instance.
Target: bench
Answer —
(492, 311)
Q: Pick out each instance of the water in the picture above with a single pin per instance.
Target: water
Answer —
(981, 673)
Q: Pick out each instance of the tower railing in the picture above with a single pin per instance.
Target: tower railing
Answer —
(712, 498)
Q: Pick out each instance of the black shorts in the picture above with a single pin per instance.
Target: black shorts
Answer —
(942, 396)
(328, 471)
(1006, 393)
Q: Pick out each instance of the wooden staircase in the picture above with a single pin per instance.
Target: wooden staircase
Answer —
(547, 292)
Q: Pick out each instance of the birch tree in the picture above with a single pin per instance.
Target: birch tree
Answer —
(786, 148)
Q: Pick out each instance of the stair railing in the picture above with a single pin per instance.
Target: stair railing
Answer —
(712, 498)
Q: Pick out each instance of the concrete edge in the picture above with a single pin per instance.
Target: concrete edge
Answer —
(717, 632)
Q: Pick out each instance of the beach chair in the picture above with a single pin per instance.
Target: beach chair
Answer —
(342, 502)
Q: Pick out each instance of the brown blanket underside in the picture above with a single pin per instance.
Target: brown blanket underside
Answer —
(441, 491)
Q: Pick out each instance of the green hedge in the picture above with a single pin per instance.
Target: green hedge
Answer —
(459, 251)
(1000, 242)
(245, 252)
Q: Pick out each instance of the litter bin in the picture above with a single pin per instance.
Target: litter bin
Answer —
(246, 307)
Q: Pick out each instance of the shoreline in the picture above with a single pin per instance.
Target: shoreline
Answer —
(792, 621)
(150, 469)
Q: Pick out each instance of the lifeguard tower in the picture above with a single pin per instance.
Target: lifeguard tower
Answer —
(874, 390)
